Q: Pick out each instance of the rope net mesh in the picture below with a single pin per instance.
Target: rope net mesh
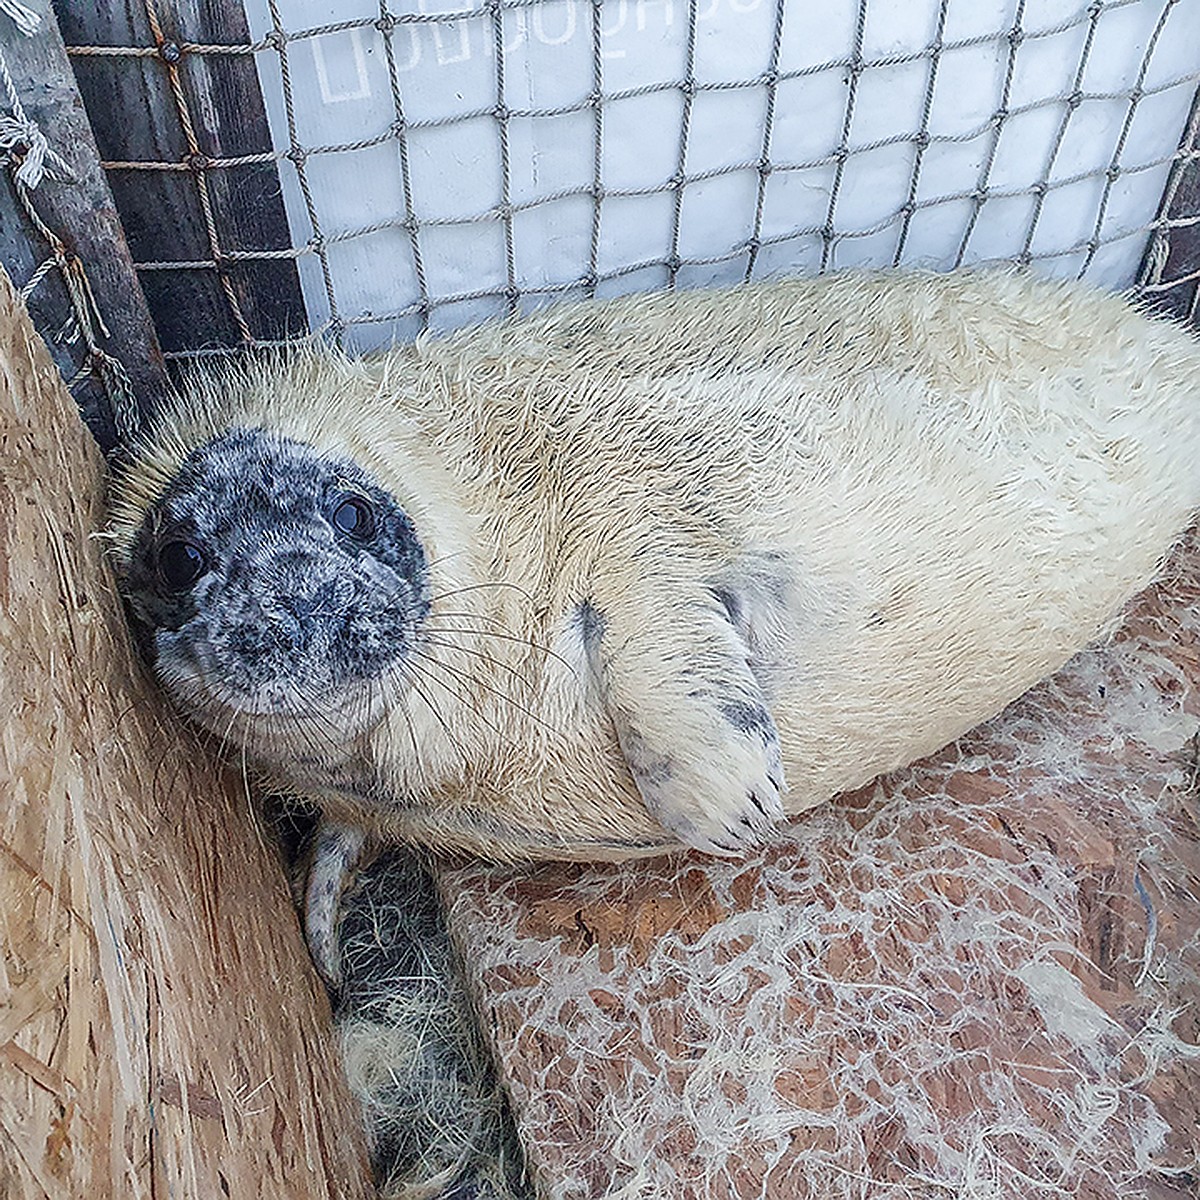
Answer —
(447, 164)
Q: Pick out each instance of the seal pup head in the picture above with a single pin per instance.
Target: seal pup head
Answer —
(276, 589)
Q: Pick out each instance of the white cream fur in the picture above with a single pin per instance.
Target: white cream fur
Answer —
(967, 476)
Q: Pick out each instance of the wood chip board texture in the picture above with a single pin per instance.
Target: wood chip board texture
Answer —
(161, 1031)
(976, 978)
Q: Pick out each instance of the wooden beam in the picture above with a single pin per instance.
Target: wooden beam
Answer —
(1171, 269)
(80, 211)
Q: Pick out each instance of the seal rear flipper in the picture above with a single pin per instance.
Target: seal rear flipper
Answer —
(336, 854)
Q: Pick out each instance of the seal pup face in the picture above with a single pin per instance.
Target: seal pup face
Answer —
(277, 592)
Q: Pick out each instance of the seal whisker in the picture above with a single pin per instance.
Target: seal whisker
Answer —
(469, 678)
(412, 739)
(464, 700)
(475, 616)
(530, 643)
(443, 558)
(479, 587)
(525, 679)
(410, 674)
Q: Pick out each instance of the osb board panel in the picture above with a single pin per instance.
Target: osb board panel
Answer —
(979, 977)
(161, 1030)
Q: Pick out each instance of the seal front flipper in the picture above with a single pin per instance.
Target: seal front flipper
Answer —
(693, 723)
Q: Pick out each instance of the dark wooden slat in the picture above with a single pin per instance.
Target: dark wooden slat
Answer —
(136, 118)
(1183, 257)
(1181, 300)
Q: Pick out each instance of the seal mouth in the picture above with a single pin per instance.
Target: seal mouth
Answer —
(281, 714)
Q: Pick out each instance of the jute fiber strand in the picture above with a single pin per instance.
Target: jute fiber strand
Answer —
(161, 1030)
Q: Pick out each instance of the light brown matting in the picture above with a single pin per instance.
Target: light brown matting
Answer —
(979, 978)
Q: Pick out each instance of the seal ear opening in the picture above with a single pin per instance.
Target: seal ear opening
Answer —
(142, 632)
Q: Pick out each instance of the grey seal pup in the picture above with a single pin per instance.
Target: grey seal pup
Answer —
(624, 576)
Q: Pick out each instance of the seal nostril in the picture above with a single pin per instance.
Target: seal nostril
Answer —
(307, 607)
(300, 607)
(297, 619)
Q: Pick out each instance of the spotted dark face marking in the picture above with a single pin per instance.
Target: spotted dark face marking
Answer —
(270, 579)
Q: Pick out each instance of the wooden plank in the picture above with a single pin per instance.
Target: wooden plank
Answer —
(162, 1032)
(1180, 249)
(135, 113)
(82, 213)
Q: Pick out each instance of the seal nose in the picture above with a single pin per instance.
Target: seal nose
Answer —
(307, 611)
(301, 607)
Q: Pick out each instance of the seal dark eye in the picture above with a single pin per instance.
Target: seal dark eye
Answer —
(354, 516)
(180, 564)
